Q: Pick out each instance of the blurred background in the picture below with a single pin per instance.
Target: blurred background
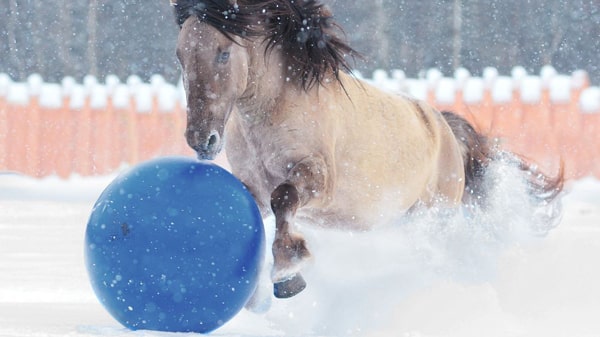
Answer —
(137, 37)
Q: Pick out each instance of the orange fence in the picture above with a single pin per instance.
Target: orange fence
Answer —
(88, 129)
(94, 129)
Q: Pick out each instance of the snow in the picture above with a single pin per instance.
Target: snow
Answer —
(51, 96)
(18, 94)
(143, 97)
(98, 97)
(420, 279)
(90, 82)
(77, 96)
(531, 89)
(560, 89)
(134, 81)
(518, 73)
(490, 75)
(547, 73)
(417, 88)
(5, 83)
(461, 75)
(380, 79)
(445, 90)
(68, 83)
(433, 76)
(502, 89)
(120, 97)
(112, 81)
(580, 78)
(167, 97)
(473, 90)
(590, 100)
(398, 75)
(35, 82)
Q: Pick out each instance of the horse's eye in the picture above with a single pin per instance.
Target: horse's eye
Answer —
(223, 57)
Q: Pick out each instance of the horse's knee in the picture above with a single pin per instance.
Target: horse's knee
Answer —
(311, 177)
(285, 199)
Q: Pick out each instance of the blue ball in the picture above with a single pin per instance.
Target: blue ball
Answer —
(174, 244)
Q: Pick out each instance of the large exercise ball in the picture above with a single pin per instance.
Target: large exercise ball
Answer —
(174, 244)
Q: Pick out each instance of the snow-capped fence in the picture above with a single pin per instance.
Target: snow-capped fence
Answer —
(91, 128)
(87, 128)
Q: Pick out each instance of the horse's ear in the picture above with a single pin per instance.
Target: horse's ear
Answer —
(324, 11)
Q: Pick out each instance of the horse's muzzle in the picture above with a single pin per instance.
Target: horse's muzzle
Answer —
(206, 146)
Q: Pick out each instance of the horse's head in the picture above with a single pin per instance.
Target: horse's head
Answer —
(215, 72)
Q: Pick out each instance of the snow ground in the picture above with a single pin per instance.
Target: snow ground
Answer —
(412, 283)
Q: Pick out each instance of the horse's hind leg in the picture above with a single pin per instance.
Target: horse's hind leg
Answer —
(306, 181)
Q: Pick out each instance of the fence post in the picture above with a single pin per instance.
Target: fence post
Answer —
(16, 140)
(133, 83)
(32, 131)
(507, 114)
(473, 91)
(461, 77)
(101, 121)
(121, 146)
(5, 83)
(432, 79)
(82, 117)
(486, 113)
(113, 133)
(166, 96)
(443, 95)
(146, 120)
(65, 149)
(567, 127)
(539, 143)
(52, 130)
(589, 104)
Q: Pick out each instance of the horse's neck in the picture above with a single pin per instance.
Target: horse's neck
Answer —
(267, 86)
(263, 79)
(271, 89)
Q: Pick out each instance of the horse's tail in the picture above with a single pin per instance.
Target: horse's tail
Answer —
(479, 151)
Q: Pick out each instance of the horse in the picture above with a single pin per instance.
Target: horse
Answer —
(269, 81)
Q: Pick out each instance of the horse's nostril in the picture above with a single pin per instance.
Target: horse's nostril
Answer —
(205, 145)
(212, 140)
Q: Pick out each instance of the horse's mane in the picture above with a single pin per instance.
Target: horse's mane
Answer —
(304, 30)
(228, 18)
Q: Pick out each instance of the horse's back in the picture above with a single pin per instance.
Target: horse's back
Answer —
(393, 151)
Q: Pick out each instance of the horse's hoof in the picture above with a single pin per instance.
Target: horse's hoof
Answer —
(290, 287)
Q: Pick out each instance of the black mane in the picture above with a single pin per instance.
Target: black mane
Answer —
(229, 19)
(304, 30)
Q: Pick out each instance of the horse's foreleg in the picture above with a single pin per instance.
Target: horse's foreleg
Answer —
(306, 181)
(289, 248)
